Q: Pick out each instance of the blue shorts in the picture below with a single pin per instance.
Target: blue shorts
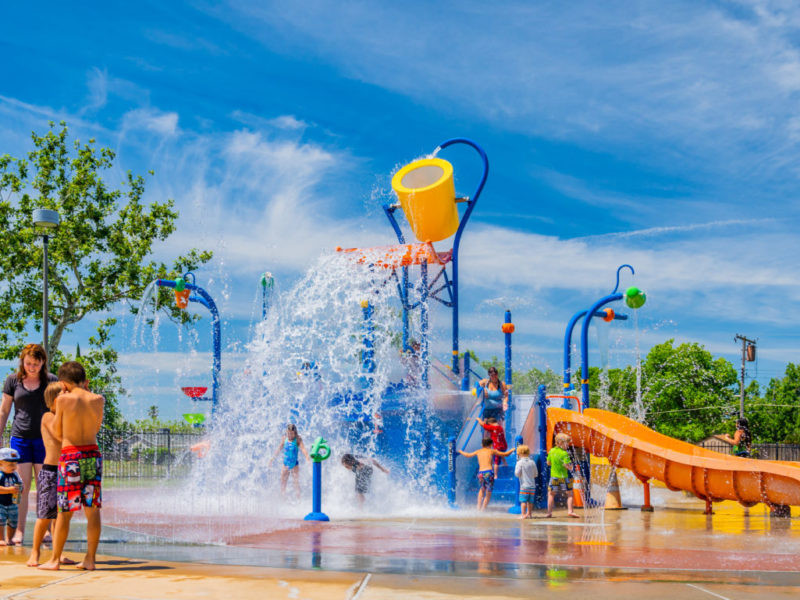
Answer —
(31, 450)
(527, 496)
(9, 515)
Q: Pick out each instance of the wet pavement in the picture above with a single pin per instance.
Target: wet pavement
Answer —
(676, 550)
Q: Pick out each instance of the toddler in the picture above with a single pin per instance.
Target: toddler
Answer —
(526, 472)
(10, 490)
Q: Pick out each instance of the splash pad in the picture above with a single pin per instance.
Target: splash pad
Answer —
(331, 357)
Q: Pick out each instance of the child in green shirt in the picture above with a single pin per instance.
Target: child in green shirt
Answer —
(560, 464)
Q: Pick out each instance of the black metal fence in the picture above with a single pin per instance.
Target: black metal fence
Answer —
(129, 454)
(789, 452)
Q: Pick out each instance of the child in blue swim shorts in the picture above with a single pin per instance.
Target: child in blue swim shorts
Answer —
(526, 471)
(485, 456)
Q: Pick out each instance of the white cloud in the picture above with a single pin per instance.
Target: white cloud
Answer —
(702, 81)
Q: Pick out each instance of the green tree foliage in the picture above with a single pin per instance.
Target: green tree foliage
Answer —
(99, 255)
(524, 382)
(685, 392)
(775, 417)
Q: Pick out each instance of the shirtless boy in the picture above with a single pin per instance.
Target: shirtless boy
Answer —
(79, 414)
(47, 478)
(485, 471)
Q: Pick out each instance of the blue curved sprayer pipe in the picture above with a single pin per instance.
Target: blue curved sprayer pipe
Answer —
(594, 311)
(202, 297)
(585, 346)
(457, 240)
(568, 342)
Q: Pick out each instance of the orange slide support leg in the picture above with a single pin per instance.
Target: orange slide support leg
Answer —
(646, 506)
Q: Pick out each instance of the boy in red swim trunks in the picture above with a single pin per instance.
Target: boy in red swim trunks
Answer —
(498, 439)
(79, 414)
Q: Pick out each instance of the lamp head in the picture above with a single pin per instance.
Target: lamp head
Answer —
(44, 218)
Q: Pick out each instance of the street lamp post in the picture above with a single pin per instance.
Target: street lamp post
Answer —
(45, 220)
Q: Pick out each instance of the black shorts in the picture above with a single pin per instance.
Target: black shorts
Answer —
(497, 413)
(46, 487)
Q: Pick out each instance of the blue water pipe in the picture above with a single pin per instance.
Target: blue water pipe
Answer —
(451, 471)
(567, 382)
(452, 284)
(465, 378)
(202, 297)
(612, 297)
(319, 451)
(516, 508)
(568, 387)
(508, 329)
(541, 452)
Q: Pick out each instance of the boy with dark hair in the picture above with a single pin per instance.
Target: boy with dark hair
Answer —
(362, 467)
(79, 415)
(485, 456)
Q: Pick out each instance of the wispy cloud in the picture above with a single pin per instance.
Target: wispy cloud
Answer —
(656, 231)
(701, 81)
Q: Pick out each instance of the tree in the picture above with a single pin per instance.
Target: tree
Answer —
(524, 382)
(152, 413)
(98, 257)
(776, 416)
(688, 394)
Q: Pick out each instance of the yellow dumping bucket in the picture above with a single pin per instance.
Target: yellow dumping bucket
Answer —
(428, 197)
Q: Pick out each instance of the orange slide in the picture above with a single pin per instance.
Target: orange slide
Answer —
(711, 476)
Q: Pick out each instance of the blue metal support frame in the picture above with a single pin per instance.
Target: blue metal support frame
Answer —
(541, 453)
(423, 317)
(467, 371)
(451, 470)
(202, 297)
(516, 508)
(450, 284)
(368, 351)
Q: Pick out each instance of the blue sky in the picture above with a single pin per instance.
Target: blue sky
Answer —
(627, 132)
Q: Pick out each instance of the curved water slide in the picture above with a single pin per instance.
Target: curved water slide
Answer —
(711, 476)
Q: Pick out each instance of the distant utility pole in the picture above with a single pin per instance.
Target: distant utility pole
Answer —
(749, 355)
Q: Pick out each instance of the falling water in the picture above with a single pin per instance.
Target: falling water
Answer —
(306, 364)
(148, 309)
(639, 410)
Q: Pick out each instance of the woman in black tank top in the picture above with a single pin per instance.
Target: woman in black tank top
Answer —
(24, 390)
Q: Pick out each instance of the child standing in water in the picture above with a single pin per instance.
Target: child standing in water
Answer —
(560, 464)
(526, 472)
(10, 489)
(485, 456)
(291, 445)
(362, 467)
